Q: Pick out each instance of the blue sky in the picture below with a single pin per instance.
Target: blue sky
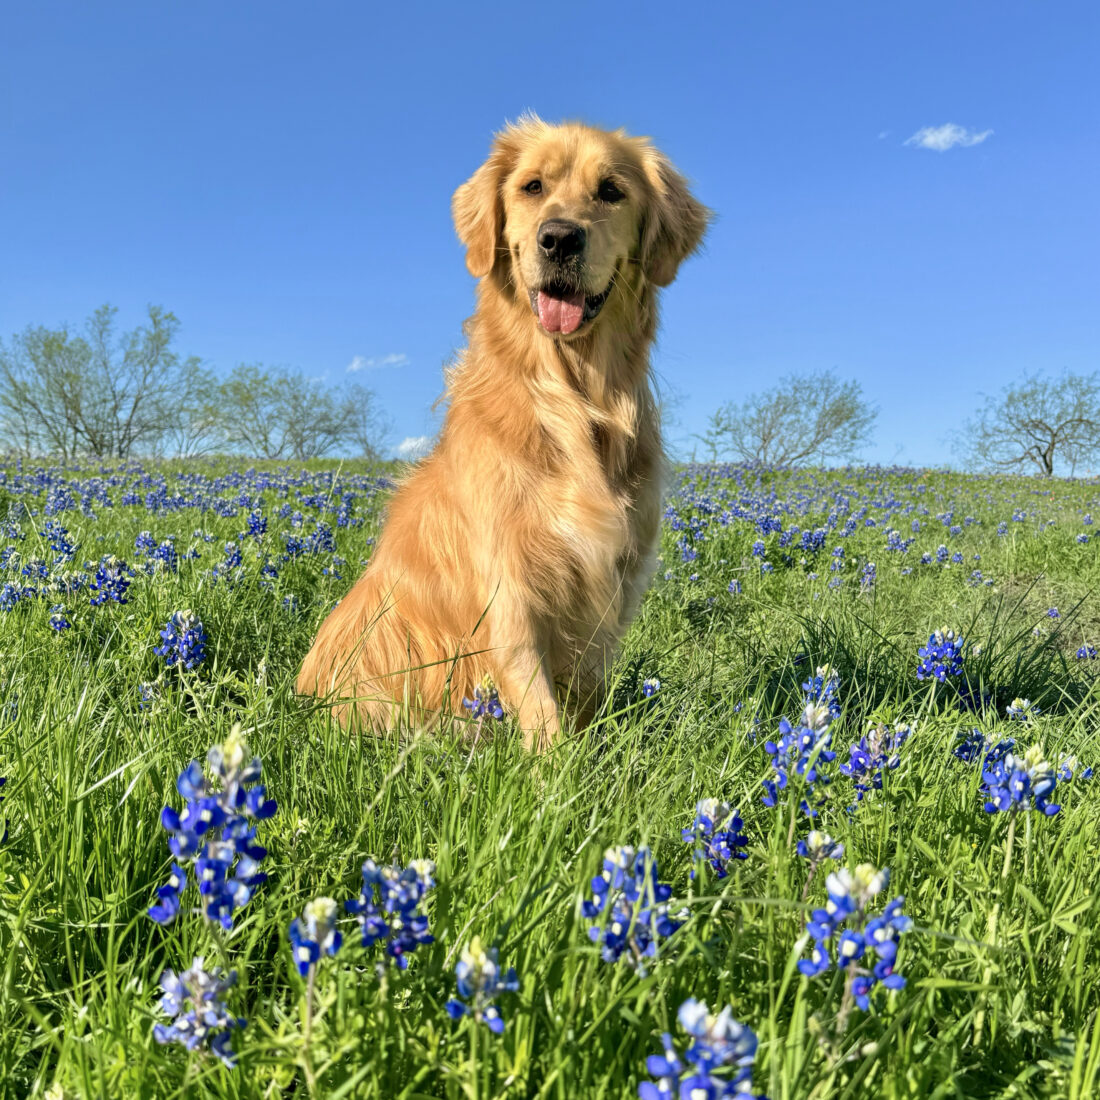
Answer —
(279, 175)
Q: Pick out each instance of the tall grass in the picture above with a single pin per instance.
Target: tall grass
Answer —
(1003, 970)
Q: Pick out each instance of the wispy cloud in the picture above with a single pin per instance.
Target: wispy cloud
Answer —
(941, 138)
(413, 447)
(394, 359)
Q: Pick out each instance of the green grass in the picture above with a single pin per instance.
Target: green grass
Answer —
(1003, 971)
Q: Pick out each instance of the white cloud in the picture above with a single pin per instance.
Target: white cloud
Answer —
(941, 138)
(395, 359)
(413, 447)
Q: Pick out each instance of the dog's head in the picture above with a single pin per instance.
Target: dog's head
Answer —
(571, 215)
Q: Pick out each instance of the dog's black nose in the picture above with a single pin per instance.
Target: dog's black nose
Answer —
(560, 239)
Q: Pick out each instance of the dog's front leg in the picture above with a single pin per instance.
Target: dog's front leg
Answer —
(527, 689)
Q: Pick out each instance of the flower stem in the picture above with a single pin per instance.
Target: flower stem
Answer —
(1008, 845)
(307, 1034)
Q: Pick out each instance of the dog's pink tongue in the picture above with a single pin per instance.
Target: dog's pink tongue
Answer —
(561, 314)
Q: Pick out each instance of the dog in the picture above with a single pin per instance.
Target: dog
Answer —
(517, 552)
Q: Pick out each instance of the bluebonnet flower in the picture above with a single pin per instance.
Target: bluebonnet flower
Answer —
(875, 752)
(480, 982)
(1053, 613)
(735, 587)
(1067, 767)
(391, 916)
(803, 750)
(818, 847)
(824, 687)
(1088, 653)
(843, 924)
(721, 1058)
(58, 537)
(216, 832)
(1014, 783)
(1022, 710)
(975, 745)
(942, 657)
(148, 693)
(1083, 539)
(58, 621)
(767, 567)
(257, 524)
(314, 933)
(650, 687)
(144, 544)
(232, 563)
(867, 576)
(164, 558)
(637, 917)
(13, 592)
(200, 1020)
(758, 549)
(111, 580)
(183, 641)
(485, 703)
(717, 835)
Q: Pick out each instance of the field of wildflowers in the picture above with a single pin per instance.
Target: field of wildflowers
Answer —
(832, 835)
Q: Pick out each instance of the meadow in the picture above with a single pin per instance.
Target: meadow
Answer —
(783, 627)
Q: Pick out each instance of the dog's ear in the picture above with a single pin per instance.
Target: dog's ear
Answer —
(674, 221)
(478, 207)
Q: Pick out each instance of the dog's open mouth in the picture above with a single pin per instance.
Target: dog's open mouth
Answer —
(564, 309)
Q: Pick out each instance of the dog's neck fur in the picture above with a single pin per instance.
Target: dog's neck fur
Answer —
(602, 377)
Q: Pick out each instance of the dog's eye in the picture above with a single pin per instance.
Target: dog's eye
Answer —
(609, 192)
(533, 188)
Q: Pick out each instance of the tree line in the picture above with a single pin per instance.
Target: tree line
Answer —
(1036, 425)
(102, 393)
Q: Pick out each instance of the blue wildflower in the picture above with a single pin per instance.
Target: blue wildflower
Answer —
(721, 1058)
(195, 1000)
(480, 982)
(215, 831)
(650, 687)
(843, 923)
(183, 641)
(58, 621)
(942, 656)
(818, 847)
(485, 703)
(1015, 783)
(628, 893)
(804, 751)
(388, 907)
(875, 752)
(824, 687)
(735, 587)
(1022, 710)
(111, 580)
(717, 835)
(1088, 653)
(314, 933)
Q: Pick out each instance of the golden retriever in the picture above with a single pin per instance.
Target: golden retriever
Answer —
(519, 549)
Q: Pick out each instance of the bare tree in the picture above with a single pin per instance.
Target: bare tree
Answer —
(806, 417)
(99, 394)
(1038, 423)
(283, 414)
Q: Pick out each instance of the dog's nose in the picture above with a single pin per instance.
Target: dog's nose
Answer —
(559, 239)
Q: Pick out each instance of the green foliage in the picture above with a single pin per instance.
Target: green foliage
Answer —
(1004, 975)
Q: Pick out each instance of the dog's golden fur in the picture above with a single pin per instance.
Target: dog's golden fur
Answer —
(521, 546)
